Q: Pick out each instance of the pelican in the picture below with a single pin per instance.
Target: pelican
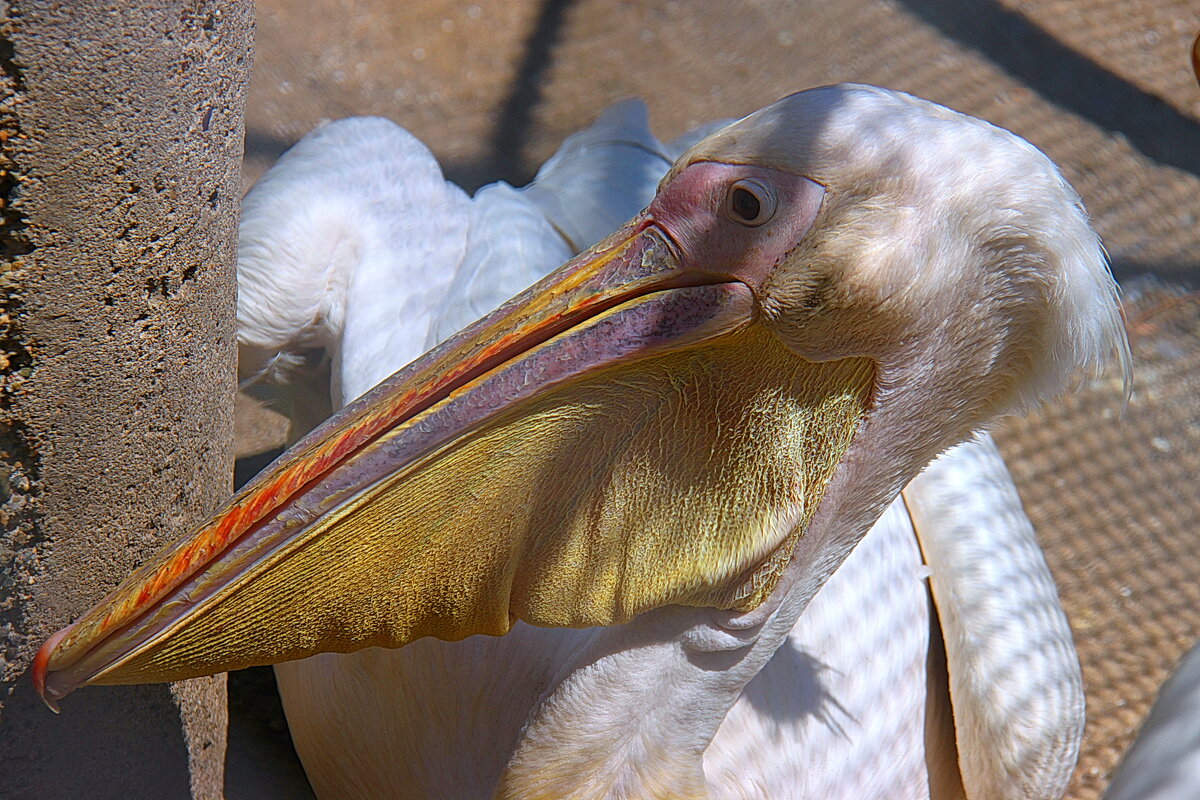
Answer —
(644, 478)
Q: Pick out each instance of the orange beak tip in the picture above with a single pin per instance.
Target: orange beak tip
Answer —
(41, 663)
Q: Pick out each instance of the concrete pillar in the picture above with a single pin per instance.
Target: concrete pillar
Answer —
(121, 130)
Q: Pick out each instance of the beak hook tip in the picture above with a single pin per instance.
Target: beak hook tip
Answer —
(41, 664)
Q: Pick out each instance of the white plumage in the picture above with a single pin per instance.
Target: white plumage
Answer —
(1009, 647)
(346, 258)
(355, 244)
(839, 710)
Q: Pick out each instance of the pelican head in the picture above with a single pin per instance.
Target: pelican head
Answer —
(680, 433)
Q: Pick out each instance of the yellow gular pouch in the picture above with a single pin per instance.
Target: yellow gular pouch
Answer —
(684, 478)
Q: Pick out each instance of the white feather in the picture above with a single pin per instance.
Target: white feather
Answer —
(510, 245)
(347, 245)
(839, 710)
(1015, 681)
(601, 176)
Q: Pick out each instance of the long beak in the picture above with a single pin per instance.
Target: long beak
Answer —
(457, 495)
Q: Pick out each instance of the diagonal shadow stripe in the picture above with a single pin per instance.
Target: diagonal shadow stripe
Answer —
(1064, 77)
(506, 146)
(260, 144)
(1185, 275)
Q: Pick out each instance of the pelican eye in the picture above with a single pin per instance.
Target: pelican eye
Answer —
(749, 203)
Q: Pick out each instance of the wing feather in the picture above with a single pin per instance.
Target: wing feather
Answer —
(1015, 682)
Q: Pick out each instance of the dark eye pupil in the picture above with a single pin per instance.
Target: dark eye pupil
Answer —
(745, 204)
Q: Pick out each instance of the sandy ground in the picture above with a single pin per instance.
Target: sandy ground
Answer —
(1103, 87)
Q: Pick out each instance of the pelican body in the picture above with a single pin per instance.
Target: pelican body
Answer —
(635, 478)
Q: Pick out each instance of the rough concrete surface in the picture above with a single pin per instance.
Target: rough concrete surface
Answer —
(122, 134)
(1104, 87)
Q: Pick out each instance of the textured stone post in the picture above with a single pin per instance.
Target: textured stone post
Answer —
(121, 129)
